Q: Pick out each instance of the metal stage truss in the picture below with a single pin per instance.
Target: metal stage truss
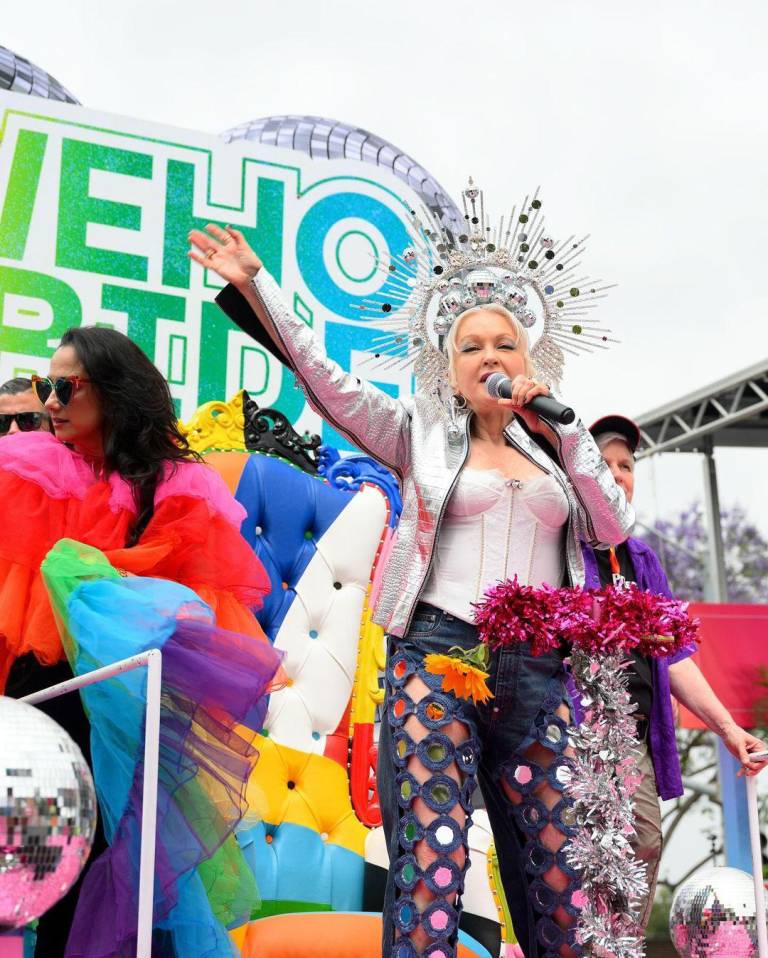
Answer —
(732, 412)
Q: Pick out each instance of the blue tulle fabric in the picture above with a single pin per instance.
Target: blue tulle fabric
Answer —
(213, 681)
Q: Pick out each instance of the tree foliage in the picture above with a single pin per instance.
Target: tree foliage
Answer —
(682, 545)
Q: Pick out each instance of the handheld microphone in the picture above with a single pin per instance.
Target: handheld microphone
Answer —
(499, 386)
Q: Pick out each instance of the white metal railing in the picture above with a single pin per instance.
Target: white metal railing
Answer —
(757, 866)
(153, 661)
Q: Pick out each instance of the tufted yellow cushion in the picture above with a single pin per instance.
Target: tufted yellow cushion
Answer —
(305, 789)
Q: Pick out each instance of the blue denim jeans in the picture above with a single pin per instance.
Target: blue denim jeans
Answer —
(527, 692)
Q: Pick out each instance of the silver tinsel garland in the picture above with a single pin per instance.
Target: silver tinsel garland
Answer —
(605, 778)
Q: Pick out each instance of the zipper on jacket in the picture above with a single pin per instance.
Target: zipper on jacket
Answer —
(523, 453)
(437, 527)
(556, 474)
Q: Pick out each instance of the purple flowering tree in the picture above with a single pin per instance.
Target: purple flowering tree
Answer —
(681, 544)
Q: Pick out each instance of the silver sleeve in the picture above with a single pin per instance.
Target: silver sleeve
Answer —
(607, 518)
(367, 416)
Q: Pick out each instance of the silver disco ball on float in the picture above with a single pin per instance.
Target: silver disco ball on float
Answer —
(713, 915)
(332, 140)
(20, 76)
(47, 813)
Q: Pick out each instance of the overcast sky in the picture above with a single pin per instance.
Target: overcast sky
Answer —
(645, 125)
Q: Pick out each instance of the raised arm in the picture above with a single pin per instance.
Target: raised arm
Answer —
(232, 302)
(367, 416)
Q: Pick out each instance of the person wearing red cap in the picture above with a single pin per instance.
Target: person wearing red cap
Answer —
(652, 682)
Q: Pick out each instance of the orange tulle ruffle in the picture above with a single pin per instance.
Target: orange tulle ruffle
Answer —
(192, 538)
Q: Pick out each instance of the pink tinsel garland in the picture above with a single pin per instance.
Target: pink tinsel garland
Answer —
(597, 621)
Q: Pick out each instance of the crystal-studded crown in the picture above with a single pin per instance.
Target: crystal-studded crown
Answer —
(516, 265)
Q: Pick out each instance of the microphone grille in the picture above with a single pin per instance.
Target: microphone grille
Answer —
(492, 384)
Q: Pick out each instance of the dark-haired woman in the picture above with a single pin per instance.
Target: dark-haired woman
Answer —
(116, 489)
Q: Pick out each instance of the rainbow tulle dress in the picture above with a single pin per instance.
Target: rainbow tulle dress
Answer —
(191, 583)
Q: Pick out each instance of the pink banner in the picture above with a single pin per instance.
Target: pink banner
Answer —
(734, 647)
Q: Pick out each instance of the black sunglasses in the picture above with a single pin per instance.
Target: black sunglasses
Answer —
(65, 387)
(26, 421)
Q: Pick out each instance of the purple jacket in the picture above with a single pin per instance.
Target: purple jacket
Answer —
(650, 576)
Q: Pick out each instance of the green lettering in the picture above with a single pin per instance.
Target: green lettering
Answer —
(35, 309)
(266, 237)
(77, 209)
(214, 362)
(21, 193)
(144, 309)
(214, 330)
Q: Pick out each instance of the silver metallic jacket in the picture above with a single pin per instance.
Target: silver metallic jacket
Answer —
(411, 438)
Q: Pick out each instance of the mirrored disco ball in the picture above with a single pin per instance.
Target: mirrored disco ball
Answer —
(19, 75)
(326, 139)
(47, 813)
(713, 914)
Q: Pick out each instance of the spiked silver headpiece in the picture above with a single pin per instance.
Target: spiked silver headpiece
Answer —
(516, 265)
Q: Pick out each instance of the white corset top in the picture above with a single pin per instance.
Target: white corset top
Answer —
(493, 529)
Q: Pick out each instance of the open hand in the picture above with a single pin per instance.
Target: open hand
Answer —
(226, 252)
(740, 744)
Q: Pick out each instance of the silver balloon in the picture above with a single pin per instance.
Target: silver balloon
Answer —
(332, 140)
(47, 813)
(713, 915)
(20, 76)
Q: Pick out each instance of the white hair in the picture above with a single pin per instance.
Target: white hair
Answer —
(605, 438)
(521, 338)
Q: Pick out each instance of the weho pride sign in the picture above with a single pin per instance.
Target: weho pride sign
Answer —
(94, 215)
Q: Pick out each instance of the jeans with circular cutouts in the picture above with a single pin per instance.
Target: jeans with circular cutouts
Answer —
(433, 751)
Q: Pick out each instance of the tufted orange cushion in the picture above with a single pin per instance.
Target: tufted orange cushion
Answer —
(229, 466)
(319, 936)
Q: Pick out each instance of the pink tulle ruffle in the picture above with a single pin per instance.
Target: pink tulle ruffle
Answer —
(62, 473)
